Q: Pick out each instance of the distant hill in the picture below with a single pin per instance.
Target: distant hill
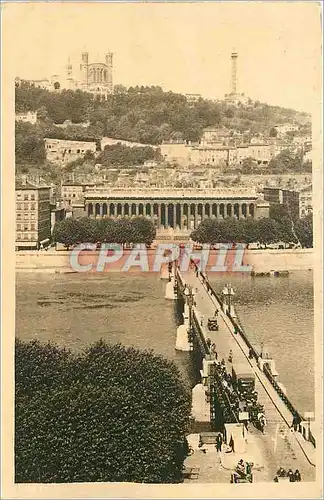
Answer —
(145, 114)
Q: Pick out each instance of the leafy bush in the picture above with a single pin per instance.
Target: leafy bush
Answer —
(108, 414)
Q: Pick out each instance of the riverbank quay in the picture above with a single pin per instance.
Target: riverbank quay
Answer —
(280, 445)
(145, 260)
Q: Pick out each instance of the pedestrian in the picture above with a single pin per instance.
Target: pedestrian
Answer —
(235, 330)
(201, 321)
(297, 476)
(219, 442)
(291, 476)
(216, 312)
(295, 422)
(231, 444)
(208, 342)
(251, 353)
(230, 356)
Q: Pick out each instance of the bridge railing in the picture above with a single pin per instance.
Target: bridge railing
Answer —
(255, 354)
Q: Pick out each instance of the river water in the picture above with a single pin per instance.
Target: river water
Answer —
(74, 310)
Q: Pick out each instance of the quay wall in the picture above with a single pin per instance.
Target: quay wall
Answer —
(260, 260)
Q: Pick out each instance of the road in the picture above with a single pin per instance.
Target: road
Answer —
(280, 446)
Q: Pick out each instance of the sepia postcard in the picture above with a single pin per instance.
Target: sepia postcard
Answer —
(162, 249)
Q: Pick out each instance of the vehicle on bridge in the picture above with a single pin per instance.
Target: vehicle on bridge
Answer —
(212, 324)
(243, 378)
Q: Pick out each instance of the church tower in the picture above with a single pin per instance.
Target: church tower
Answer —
(109, 63)
(84, 68)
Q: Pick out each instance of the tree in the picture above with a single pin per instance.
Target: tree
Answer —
(143, 230)
(304, 231)
(110, 413)
(29, 144)
(267, 231)
(273, 132)
(68, 232)
(247, 165)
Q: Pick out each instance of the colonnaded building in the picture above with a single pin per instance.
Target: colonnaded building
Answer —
(180, 210)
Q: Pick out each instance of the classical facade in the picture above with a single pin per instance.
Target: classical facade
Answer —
(177, 209)
(33, 215)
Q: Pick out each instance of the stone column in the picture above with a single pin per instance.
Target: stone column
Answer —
(239, 216)
(159, 215)
(180, 215)
(196, 216)
(174, 215)
(203, 211)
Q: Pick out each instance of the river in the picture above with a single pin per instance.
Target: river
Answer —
(74, 310)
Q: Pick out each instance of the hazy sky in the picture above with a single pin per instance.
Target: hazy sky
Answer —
(184, 47)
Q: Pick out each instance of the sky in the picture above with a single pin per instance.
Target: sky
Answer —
(183, 47)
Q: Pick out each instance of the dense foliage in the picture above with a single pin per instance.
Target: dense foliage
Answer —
(121, 155)
(287, 161)
(72, 231)
(264, 231)
(108, 414)
(147, 114)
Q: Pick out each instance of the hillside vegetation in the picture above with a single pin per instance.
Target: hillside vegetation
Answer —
(147, 114)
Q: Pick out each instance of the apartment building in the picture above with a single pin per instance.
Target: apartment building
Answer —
(33, 215)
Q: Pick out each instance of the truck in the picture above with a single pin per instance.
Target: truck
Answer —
(243, 377)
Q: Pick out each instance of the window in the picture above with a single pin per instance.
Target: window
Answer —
(18, 236)
(26, 216)
(73, 195)
(18, 216)
(32, 197)
(78, 150)
(32, 206)
(32, 227)
(26, 227)
(33, 216)
(25, 197)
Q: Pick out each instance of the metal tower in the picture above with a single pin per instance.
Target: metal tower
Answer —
(234, 56)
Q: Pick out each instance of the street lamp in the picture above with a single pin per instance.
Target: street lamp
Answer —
(308, 415)
(189, 294)
(228, 292)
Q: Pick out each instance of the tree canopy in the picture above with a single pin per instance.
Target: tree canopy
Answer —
(110, 413)
(264, 231)
(72, 231)
(148, 114)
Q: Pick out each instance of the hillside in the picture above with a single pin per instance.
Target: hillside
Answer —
(146, 114)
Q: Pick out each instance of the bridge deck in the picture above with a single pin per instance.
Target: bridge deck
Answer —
(280, 445)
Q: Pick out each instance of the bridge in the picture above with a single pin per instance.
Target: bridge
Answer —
(280, 445)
